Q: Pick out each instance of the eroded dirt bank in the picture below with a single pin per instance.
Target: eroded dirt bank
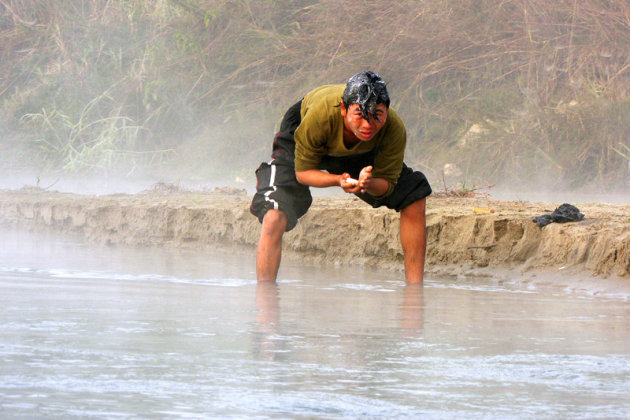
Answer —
(342, 230)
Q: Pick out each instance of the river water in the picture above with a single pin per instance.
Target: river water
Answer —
(115, 332)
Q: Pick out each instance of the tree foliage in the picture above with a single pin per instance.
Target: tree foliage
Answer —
(544, 84)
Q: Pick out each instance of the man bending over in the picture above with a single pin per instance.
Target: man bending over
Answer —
(340, 136)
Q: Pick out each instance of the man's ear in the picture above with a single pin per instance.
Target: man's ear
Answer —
(343, 108)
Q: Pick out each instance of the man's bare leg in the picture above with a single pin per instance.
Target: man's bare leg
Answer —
(270, 245)
(413, 237)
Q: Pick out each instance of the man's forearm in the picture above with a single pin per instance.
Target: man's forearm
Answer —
(320, 179)
(317, 178)
(378, 187)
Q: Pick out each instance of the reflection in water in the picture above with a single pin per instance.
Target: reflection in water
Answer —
(267, 306)
(268, 318)
(412, 307)
(159, 333)
(268, 312)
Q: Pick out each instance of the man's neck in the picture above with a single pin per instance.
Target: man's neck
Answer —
(349, 139)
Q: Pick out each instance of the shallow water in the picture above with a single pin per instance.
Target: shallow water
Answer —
(92, 331)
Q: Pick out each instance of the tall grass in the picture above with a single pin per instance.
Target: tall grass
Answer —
(547, 81)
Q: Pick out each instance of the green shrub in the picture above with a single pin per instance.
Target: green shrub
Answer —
(547, 81)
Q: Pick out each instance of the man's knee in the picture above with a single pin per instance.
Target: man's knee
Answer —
(274, 222)
(415, 209)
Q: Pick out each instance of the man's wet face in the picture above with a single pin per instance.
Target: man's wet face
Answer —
(359, 127)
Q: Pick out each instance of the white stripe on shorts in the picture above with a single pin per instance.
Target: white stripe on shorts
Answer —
(272, 180)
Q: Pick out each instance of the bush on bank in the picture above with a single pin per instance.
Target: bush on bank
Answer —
(525, 91)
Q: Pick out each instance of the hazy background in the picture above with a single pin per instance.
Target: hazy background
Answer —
(527, 95)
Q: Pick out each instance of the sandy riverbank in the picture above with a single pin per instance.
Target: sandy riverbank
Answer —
(343, 230)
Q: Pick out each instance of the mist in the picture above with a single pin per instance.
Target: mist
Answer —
(518, 101)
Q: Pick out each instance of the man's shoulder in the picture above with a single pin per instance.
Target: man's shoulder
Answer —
(329, 94)
(394, 117)
(394, 123)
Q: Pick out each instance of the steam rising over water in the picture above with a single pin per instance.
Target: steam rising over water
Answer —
(91, 331)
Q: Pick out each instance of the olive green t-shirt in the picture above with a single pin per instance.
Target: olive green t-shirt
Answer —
(321, 133)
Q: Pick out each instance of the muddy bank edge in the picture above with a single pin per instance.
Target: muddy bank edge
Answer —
(467, 235)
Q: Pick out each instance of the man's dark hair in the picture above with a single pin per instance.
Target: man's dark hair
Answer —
(366, 89)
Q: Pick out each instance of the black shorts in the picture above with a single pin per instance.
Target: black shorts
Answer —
(277, 188)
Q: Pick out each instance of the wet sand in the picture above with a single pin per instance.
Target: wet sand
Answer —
(466, 236)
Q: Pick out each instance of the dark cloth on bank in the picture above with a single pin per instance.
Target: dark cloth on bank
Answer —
(562, 214)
